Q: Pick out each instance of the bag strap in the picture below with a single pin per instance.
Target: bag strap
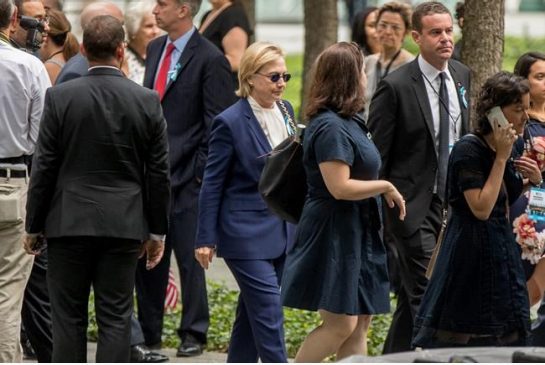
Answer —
(288, 119)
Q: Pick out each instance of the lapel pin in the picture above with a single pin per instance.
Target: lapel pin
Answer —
(173, 74)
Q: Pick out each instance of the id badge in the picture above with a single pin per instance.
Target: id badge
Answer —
(536, 204)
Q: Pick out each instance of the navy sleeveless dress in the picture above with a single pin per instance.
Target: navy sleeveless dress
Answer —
(338, 261)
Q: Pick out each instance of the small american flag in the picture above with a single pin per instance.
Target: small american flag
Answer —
(172, 292)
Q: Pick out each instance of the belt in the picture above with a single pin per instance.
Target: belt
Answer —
(464, 338)
(14, 160)
(13, 173)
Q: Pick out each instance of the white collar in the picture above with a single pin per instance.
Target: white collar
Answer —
(256, 106)
(112, 67)
(429, 71)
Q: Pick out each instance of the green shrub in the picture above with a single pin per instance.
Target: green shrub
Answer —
(223, 302)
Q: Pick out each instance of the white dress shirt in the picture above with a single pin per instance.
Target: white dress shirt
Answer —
(432, 81)
(22, 93)
(271, 121)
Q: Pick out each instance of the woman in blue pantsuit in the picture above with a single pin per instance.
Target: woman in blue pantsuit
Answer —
(234, 221)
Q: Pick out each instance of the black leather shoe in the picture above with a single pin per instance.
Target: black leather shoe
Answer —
(140, 354)
(190, 347)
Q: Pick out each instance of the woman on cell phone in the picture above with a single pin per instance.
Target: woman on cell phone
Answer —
(477, 293)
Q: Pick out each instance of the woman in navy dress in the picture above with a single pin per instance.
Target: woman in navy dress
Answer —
(477, 294)
(338, 263)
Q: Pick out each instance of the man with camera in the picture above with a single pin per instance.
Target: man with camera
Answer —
(22, 91)
(31, 26)
(28, 34)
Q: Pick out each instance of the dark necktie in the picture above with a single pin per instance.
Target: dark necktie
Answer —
(161, 81)
(444, 127)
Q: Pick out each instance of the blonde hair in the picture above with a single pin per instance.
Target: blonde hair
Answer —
(255, 57)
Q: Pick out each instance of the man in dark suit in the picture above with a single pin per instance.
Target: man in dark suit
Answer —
(194, 82)
(76, 67)
(99, 187)
(416, 114)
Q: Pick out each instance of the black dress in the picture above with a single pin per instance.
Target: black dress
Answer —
(338, 261)
(231, 17)
(478, 286)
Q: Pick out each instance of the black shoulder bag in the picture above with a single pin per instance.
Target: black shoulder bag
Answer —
(283, 182)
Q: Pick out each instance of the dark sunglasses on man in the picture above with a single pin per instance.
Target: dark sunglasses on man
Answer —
(275, 77)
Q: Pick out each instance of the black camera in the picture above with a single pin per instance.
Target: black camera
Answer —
(34, 28)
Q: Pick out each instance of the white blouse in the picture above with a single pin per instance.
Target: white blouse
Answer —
(271, 121)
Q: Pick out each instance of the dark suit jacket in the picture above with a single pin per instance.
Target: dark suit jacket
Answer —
(101, 163)
(232, 214)
(202, 90)
(76, 67)
(401, 122)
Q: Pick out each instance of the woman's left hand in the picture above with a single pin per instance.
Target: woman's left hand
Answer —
(529, 169)
(204, 255)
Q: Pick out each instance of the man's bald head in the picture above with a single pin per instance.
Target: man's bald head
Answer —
(99, 8)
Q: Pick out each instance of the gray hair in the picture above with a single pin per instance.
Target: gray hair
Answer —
(194, 5)
(7, 7)
(135, 14)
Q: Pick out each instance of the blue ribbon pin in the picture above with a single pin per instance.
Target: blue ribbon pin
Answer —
(462, 91)
(173, 74)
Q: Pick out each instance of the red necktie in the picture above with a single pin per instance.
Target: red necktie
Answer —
(161, 81)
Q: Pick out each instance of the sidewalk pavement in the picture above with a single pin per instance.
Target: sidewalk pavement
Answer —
(206, 357)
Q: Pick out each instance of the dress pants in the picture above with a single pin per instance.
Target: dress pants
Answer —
(15, 267)
(36, 313)
(106, 264)
(414, 256)
(258, 331)
(151, 284)
(137, 336)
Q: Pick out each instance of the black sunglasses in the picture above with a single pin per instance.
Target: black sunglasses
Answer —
(275, 77)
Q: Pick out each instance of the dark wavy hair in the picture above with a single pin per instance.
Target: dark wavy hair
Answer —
(525, 62)
(336, 81)
(358, 29)
(501, 89)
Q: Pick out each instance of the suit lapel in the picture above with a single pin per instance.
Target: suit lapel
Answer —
(422, 97)
(183, 60)
(461, 92)
(255, 127)
(152, 62)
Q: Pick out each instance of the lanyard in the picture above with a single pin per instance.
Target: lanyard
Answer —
(387, 70)
(441, 101)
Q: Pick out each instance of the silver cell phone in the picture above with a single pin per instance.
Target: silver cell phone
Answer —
(495, 116)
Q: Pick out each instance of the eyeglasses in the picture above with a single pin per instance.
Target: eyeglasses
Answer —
(275, 77)
(395, 27)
